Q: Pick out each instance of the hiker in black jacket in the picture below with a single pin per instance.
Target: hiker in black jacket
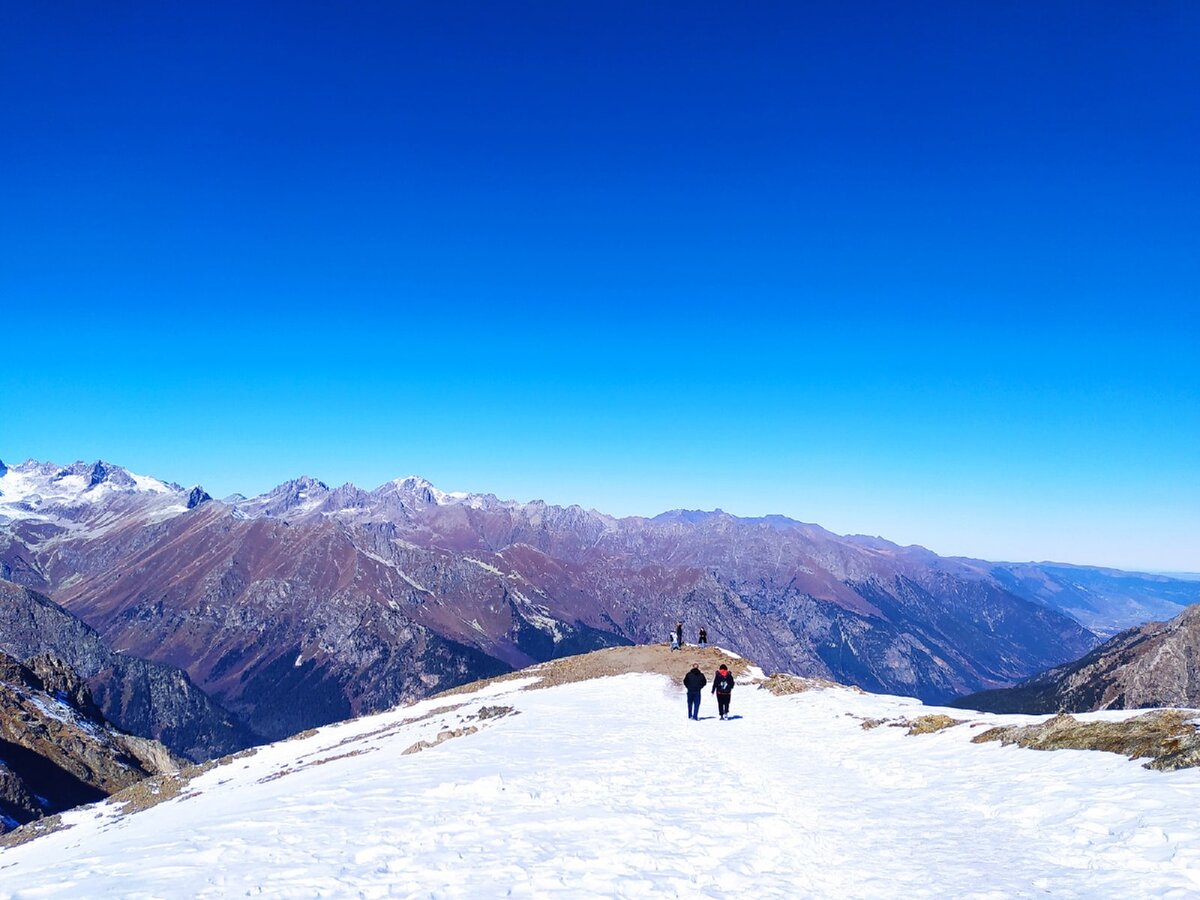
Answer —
(694, 681)
(723, 687)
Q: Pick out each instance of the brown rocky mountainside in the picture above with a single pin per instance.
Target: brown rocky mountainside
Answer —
(1154, 665)
(56, 749)
(140, 697)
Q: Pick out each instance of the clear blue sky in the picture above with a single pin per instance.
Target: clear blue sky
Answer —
(929, 270)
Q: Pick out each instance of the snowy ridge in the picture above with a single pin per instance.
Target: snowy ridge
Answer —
(603, 788)
(48, 492)
(415, 484)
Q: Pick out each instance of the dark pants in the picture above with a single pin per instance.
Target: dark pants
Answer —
(693, 704)
(723, 704)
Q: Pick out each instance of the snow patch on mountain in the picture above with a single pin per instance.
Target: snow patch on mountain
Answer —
(415, 484)
(413, 582)
(48, 492)
(487, 567)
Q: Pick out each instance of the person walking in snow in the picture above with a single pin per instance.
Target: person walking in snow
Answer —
(723, 688)
(694, 681)
(703, 636)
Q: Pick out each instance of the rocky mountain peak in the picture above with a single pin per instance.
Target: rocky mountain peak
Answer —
(415, 484)
(414, 487)
(56, 677)
(688, 516)
(295, 497)
(97, 473)
(196, 496)
(302, 484)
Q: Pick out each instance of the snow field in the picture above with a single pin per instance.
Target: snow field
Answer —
(604, 788)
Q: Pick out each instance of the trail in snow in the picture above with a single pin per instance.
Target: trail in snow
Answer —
(604, 788)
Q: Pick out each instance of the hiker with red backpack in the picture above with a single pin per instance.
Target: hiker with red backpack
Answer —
(723, 688)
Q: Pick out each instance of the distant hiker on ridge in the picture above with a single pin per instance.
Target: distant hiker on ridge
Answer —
(703, 636)
(694, 681)
(723, 687)
(674, 640)
(679, 633)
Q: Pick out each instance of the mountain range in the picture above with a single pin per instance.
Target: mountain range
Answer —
(309, 604)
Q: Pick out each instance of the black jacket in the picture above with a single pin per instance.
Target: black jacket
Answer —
(723, 684)
(694, 680)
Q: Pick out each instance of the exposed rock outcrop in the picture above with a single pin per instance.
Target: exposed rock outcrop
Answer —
(140, 697)
(56, 749)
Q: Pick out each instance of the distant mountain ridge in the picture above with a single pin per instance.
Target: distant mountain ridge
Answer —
(308, 603)
(1153, 665)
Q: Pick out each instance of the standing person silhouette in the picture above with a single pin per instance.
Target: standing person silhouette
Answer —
(703, 636)
(694, 681)
(679, 633)
(723, 688)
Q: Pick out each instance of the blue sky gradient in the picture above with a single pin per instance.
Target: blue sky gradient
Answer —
(929, 271)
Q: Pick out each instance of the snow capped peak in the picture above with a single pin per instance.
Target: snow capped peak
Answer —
(422, 489)
(196, 496)
(306, 496)
(78, 482)
(413, 483)
(305, 483)
(94, 474)
(294, 498)
(84, 491)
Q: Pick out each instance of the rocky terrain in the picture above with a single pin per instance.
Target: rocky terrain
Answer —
(1157, 664)
(309, 604)
(56, 749)
(138, 696)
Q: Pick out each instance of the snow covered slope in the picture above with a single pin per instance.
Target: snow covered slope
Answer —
(603, 788)
(47, 492)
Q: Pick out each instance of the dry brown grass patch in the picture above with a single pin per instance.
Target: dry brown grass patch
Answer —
(782, 685)
(653, 658)
(931, 723)
(1163, 736)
